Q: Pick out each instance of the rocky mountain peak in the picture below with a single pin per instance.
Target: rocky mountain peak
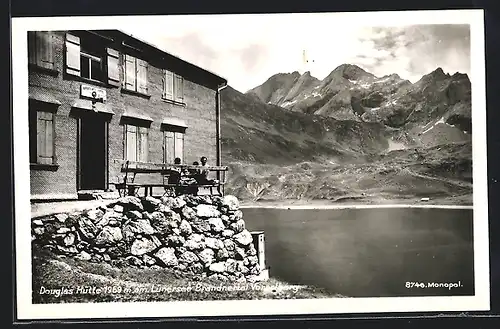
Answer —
(460, 77)
(436, 75)
(439, 73)
(307, 77)
(393, 76)
(284, 76)
(438, 70)
(274, 88)
(351, 72)
(351, 93)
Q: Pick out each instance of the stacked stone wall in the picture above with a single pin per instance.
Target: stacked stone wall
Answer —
(201, 235)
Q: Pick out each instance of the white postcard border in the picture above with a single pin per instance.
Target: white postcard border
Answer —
(26, 310)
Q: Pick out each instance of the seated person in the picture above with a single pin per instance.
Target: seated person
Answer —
(190, 179)
(202, 176)
(175, 173)
(182, 177)
(194, 172)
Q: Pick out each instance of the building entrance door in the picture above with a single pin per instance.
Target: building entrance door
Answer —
(93, 152)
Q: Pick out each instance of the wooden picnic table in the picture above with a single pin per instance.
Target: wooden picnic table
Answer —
(129, 185)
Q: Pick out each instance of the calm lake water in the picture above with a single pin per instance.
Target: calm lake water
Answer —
(369, 252)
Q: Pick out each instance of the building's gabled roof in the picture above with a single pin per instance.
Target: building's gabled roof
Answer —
(123, 37)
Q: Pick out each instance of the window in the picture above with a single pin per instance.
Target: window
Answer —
(91, 61)
(174, 146)
(41, 49)
(88, 58)
(173, 87)
(137, 145)
(41, 135)
(136, 74)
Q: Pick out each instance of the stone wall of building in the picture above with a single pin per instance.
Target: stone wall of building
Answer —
(198, 111)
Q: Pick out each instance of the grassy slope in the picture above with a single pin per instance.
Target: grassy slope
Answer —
(52, 272)
(267, 134)
(442, 173)
(275, 154)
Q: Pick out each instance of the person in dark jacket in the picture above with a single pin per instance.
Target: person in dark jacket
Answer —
(175, 176)
(193, 175)
(193, 172)
(175, 173)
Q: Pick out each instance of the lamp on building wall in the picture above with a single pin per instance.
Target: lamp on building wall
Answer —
(95, 99)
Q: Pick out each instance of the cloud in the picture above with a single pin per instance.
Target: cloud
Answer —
(416, 50)
(251, 56)
(193, 48)
(388, 39)
(248, 49)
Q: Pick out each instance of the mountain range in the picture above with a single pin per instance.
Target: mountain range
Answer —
(350, 136)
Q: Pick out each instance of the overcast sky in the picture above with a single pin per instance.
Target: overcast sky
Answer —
(248, 49)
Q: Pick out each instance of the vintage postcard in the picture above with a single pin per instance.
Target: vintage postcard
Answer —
(235, 165)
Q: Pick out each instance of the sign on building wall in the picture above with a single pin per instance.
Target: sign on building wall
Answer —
(89, 91)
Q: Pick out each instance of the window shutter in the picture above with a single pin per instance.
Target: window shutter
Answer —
(142, 76)
(113, 67)
(143, 144)
(72, 54)
(32, 47)
(130, 72)
(163, 87)
(46, 50)
(131, 140)
(179, 146)
(40, 133)
(49, 130)
(44, 138)
(181, 93)
(33, 123)
(179, 89)
(169, 147)
(169, 85)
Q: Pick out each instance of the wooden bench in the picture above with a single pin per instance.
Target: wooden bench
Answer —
(130, 186)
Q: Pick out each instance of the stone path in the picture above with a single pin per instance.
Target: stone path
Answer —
(49, 208)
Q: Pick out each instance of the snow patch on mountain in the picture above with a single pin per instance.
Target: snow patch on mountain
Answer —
(382, 80)
(288, 103)
(394, 145)
(434, 125)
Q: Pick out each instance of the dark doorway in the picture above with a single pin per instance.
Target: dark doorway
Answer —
(93, 152)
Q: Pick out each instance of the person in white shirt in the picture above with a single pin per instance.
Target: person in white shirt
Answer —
(204, 172)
